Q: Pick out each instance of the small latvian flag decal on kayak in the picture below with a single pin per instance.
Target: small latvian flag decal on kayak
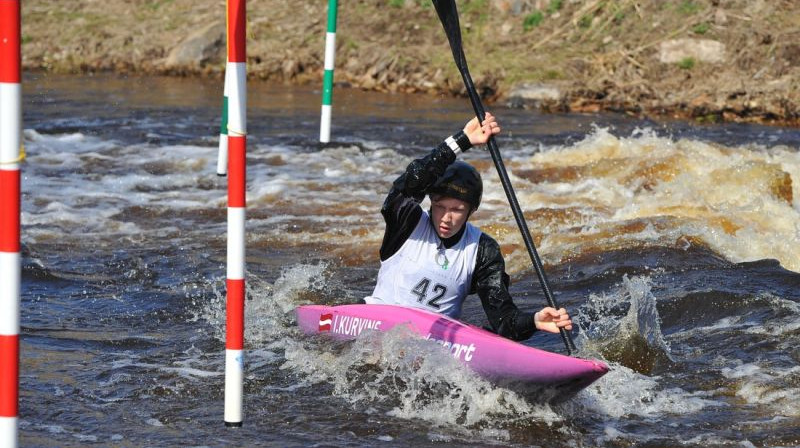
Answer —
(325, 322)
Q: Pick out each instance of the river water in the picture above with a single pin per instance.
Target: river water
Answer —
(675, 247)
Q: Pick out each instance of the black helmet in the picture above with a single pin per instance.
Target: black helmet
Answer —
(461, 181)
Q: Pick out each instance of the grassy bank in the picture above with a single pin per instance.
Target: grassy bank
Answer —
(597, 55)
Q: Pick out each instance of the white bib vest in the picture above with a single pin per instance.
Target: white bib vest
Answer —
(425, 274)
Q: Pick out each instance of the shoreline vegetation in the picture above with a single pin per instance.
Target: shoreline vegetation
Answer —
(703, 60)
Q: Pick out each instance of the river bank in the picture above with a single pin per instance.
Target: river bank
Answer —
(705, 60)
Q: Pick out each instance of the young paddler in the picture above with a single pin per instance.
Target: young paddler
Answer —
(434, 259)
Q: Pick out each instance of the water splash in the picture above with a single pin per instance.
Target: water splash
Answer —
(269, 308)
(414, 379)
(624, 326)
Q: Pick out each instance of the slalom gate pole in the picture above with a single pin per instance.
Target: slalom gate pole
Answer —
(222, 157)
(237, 145)
(11, 154)
(327, 81)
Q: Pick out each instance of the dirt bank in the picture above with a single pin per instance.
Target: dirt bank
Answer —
(711, 60)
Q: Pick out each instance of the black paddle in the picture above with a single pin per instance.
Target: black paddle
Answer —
(448, 14)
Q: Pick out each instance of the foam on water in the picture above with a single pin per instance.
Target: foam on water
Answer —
(785, 323)
(87, 185)
(740, 201)
(625, 393)
(776, 389)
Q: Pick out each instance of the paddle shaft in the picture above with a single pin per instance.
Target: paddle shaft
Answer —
(515, 208)
(449, 17)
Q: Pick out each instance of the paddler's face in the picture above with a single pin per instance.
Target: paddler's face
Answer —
(449, 215)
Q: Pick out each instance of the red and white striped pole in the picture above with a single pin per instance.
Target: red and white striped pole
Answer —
(10, 265)
(237, 145)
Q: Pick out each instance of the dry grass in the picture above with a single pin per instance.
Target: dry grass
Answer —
(603, 53)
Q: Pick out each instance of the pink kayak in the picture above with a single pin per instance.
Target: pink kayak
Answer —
(495, 358)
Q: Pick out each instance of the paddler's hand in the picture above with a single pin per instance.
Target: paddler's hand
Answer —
(479, 134)
(551, 320)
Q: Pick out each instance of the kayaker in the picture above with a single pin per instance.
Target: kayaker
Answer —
(434, 259)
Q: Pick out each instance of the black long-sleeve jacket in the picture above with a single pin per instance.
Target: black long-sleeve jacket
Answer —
(402, 211)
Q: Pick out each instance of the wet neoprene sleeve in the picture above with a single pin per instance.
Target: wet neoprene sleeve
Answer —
(490, 282)
(401, 210)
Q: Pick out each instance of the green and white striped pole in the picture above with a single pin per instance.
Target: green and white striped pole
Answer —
(327, 81)
(222, 158)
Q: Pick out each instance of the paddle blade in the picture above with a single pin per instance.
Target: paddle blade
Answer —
(448, 15)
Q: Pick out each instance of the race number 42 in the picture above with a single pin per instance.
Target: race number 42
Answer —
(422, 290)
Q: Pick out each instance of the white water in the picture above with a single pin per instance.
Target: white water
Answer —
(742, 202)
